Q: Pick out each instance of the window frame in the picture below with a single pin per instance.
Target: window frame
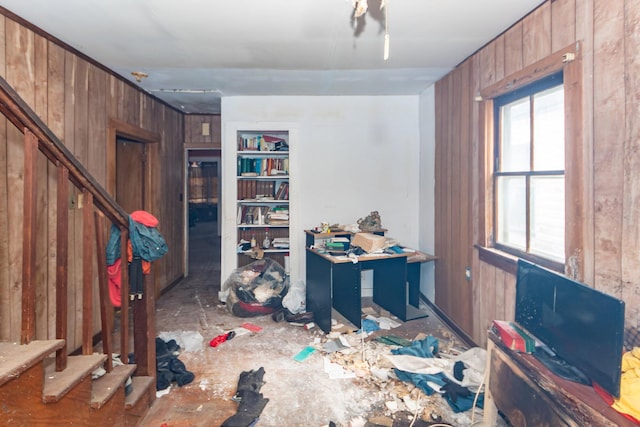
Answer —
(526, 91)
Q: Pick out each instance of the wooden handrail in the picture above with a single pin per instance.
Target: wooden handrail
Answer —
(22, 116)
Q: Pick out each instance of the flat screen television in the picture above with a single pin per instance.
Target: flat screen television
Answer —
(580, 330)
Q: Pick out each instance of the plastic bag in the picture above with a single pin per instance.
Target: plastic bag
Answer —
(256, 288)
(296, 299)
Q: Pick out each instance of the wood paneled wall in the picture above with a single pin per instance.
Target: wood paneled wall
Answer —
(76, 98)
(193, 126)
(607, 252)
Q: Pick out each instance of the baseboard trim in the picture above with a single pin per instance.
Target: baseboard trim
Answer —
(450, 323)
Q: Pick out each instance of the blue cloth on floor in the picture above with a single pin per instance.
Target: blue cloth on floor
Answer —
(427, 347)
(462, 403)
(369, 326)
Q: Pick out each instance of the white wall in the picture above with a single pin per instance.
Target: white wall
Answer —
(426, 219)
(348, 157)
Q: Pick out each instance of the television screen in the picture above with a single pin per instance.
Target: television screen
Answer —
(581, 325)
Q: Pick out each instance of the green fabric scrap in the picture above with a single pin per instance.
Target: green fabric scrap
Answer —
(393, 340)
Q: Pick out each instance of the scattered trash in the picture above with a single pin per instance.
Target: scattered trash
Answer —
(295, 299)
(188, 341)
(335, 371)
(251, 327)
(304, 353)
(222, 338)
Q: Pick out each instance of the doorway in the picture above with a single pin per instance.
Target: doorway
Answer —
(131, 154)
(202, 188)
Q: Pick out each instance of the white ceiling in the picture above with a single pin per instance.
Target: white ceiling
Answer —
(196, 51)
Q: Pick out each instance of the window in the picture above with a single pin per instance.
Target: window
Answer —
(529, 171)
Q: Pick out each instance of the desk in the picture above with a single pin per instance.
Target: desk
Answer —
(334, 282)
(528, 394)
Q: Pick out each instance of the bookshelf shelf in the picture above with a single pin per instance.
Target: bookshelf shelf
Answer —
(262, 193)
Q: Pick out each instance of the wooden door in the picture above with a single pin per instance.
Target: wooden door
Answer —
(130, 174)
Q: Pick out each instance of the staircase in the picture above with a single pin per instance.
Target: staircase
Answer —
(42, 381)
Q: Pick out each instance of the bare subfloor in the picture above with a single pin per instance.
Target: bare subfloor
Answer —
(299, 393)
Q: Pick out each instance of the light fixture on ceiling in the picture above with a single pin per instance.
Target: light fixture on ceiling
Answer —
(360, 7)
(139, 75)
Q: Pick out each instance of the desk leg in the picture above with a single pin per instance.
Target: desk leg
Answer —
(390, 284)
(413, 277)
(490, 410)
(347, 298)
(318, 294)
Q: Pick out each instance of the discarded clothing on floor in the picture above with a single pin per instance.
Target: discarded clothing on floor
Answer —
(222, 338)
(251, 401)
(256, 288)
(169, 368)
(419, 365)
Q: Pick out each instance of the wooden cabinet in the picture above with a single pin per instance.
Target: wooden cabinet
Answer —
(528, 394)
(263, 196)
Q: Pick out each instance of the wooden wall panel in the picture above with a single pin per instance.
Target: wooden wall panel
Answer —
(42, 220)
(631, 180)
(76, 98)
(193, 130)
(6, 317)
(608, 135)
(608, 95)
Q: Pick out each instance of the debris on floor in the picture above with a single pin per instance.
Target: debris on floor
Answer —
(251, 401)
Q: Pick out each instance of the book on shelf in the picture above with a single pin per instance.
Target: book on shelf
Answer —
(280, 243)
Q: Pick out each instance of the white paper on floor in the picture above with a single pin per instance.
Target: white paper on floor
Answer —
(189, 341)
(336, 371)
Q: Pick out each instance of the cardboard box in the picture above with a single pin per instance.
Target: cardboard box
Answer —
(509, 336)
(369, 242)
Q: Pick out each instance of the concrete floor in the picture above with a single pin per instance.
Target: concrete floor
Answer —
(299, 393)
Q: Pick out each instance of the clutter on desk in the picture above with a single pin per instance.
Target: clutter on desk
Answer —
(371, 222)
(256, 288)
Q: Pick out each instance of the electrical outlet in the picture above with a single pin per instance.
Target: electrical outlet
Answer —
(467, 273)
(80, 200)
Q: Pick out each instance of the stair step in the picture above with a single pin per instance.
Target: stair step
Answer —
(57, 384)
(141, 386)
(16, 358)
(107, 385)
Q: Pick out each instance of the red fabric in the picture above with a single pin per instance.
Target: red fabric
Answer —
(146, 265)
(608, 399)
(144, 218)
(113, 272)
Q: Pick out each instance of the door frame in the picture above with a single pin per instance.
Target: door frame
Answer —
(118, 128)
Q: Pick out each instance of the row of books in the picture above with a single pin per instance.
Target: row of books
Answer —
(263, 167)
(261, 143)
(250, 189)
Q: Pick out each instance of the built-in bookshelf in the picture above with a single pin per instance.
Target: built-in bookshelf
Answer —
(263, 195)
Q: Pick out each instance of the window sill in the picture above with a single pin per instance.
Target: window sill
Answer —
(498, 259)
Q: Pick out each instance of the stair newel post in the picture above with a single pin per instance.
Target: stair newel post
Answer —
(87, 273)
(124, 294)
(144, 328)
(28, 332)
(62, 263)
(106, 312)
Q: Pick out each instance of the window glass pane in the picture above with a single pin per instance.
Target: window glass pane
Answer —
(548, 129)
(512, 217)
(516, 136)
(547, 217)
